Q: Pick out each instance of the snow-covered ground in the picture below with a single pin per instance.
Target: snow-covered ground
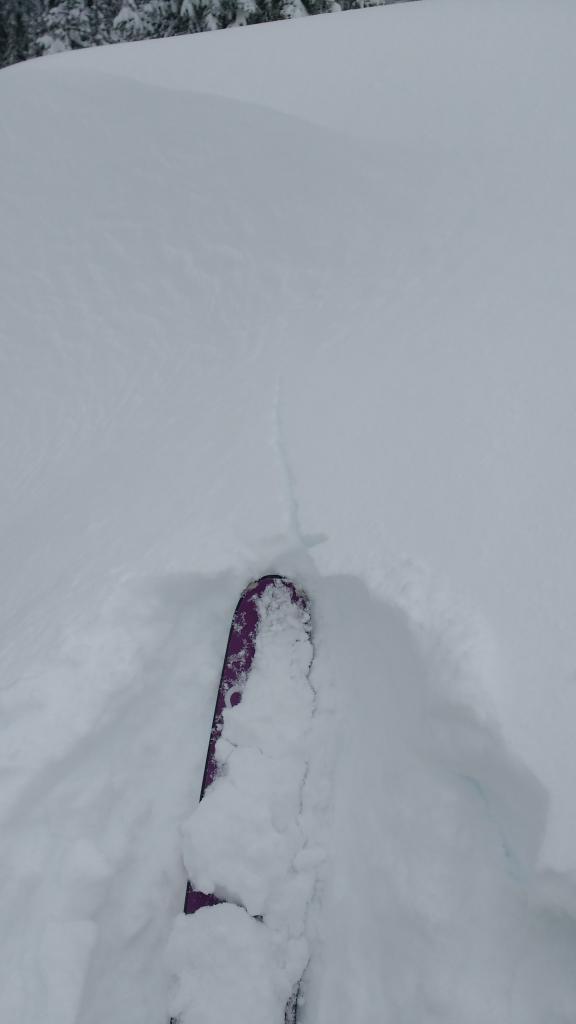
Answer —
(296, 298)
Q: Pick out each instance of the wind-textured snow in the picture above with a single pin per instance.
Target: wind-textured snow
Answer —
(295, 298)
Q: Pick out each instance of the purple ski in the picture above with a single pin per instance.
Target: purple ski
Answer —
(238, 660)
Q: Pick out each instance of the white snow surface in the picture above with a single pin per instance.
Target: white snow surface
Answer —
(295, 298)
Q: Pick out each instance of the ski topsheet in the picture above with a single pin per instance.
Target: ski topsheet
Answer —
(240, 950)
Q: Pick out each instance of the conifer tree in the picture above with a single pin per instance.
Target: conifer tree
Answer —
(15, 38)
(267, 10)
(196, 16)
(161, 17)
(4, 35)
(101, 14)
(129, 24)
(319, 6)
(3, 42)
(226, 13)
(201, 16)
(67, 26)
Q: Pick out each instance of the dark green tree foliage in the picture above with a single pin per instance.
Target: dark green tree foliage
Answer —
(226, 13)
(162, 17)
(4, 39)
(21, 39)
(267, 10)
(67, 26)
(101, 14)
(17, 26)
(319, 6)
(192, 16)
(129, 24)
(201, 17)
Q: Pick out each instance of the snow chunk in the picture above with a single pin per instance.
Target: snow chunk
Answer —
(229, 967)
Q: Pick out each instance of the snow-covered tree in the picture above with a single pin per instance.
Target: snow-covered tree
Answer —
(197, 16)
(267, 10)
(320, 6)
(67, 26)
(17, 25)
(226, 13)
(4, 39)
(101, 14)
(161, 17)
(129, 23)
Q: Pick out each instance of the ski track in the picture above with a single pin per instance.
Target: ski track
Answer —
(93, 850)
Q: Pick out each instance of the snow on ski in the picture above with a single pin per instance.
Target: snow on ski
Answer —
(239, 948)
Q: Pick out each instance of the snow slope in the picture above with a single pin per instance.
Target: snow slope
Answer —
(261, 289)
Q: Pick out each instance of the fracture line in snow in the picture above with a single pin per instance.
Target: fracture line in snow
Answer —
(295, 532)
